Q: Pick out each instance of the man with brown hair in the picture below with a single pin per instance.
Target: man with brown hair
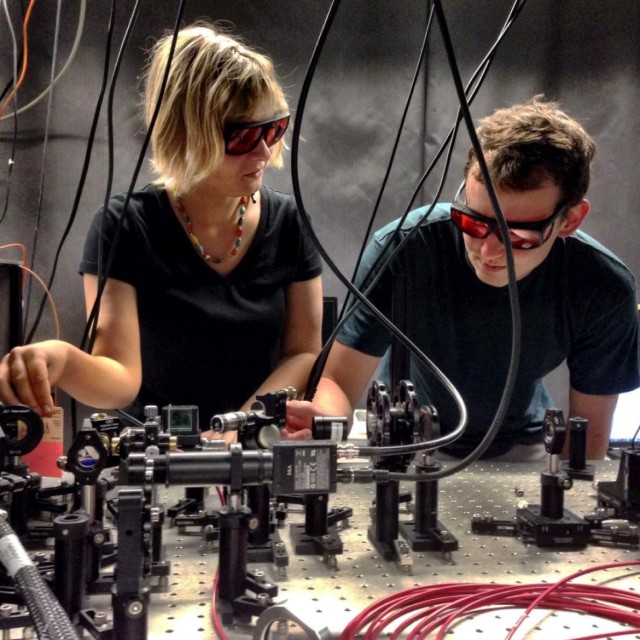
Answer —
(578, 301)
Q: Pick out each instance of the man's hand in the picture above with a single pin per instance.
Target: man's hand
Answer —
(229, 437)
(300, 414)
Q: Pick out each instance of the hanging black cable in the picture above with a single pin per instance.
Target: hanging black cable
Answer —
(515, 351)
(513, 292)
(512, 284)
(84, 171)
(394, 149)
(17, 63)
(473, 87)
(472, 90)
(54, 57)
(89, 332)
(307, 223)
(92, 321)
(93, 316)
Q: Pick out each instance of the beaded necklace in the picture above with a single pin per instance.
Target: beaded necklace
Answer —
(242, 209)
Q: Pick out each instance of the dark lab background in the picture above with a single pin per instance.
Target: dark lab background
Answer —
(583, 53)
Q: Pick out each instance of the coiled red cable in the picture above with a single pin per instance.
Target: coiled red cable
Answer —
(419, 611)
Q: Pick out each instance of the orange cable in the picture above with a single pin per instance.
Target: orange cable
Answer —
(24, 255)
(25, 52)
(54, 310)
(18, 245)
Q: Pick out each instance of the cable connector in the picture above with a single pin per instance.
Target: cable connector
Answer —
(361, 476)
(348, 451)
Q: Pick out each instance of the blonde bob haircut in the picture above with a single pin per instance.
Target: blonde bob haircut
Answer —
(213, 80)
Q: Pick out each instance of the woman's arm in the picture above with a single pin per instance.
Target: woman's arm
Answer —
(301, 341)
(107, 378)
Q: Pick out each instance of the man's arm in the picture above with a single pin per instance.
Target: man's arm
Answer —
(346, 375)
(598, 410)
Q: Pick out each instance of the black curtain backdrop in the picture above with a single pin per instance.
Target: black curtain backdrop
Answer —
(584, 54)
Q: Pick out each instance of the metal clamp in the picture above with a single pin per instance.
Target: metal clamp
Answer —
(280, 613)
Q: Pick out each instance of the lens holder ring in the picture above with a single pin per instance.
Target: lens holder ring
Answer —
(23, 429)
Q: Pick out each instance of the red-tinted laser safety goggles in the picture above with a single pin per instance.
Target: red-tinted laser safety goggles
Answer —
(244, 137)
(523, 235)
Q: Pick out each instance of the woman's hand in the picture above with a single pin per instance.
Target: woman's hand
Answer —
(28, 373)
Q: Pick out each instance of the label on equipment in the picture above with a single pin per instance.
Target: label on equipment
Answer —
(311, 469)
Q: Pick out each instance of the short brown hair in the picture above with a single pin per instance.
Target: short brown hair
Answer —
(214, 79)
(526, 144)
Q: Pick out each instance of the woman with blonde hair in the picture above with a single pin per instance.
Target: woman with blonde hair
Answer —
(213, 290)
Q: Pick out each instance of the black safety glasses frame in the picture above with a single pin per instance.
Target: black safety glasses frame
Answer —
(523, 235)
(241, 138)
